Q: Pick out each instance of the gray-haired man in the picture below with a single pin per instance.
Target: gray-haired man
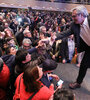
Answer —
(81, 30)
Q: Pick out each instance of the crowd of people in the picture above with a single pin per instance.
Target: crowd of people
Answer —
(24, 29)
(31, 44)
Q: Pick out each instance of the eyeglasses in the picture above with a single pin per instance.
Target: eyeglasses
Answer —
(75, 15)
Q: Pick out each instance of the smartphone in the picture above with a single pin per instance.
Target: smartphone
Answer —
(59, 82)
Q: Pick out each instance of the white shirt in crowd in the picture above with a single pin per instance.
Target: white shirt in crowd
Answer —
(71, 48)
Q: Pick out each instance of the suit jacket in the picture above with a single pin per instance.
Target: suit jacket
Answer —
(75, 29)
(81, 45)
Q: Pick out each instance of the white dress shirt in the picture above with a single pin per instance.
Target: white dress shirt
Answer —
(85, 32)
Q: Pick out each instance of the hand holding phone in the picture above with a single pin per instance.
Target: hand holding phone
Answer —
(60, 82)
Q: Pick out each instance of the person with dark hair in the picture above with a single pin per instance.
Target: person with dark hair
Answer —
(48, 66)
(81, 29)
(22, 58)
(9, 57)
(63, 94)
(30, 86)
(4, 79)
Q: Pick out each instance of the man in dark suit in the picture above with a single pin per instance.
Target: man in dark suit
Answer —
(81, 30)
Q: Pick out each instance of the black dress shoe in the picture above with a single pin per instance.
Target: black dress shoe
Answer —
(74, 85)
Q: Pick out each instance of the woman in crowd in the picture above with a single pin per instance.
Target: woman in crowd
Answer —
(30, 86)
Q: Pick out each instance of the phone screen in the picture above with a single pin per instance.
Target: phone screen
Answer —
(60, 82)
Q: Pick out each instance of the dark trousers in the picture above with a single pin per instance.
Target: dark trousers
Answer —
(82, 73)
(85, 64)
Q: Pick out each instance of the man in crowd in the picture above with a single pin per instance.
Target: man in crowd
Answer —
(81, 29)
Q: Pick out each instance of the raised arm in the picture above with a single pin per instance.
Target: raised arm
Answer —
(63, 34)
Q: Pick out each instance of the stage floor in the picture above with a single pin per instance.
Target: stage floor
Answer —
(68, 73)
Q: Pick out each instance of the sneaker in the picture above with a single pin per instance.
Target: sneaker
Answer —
(74, 85)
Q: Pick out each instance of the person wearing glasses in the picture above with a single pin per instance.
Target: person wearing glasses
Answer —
(80, 27)
(26, 44)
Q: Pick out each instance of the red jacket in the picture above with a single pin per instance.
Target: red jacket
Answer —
(43, 94)
(4, 78)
